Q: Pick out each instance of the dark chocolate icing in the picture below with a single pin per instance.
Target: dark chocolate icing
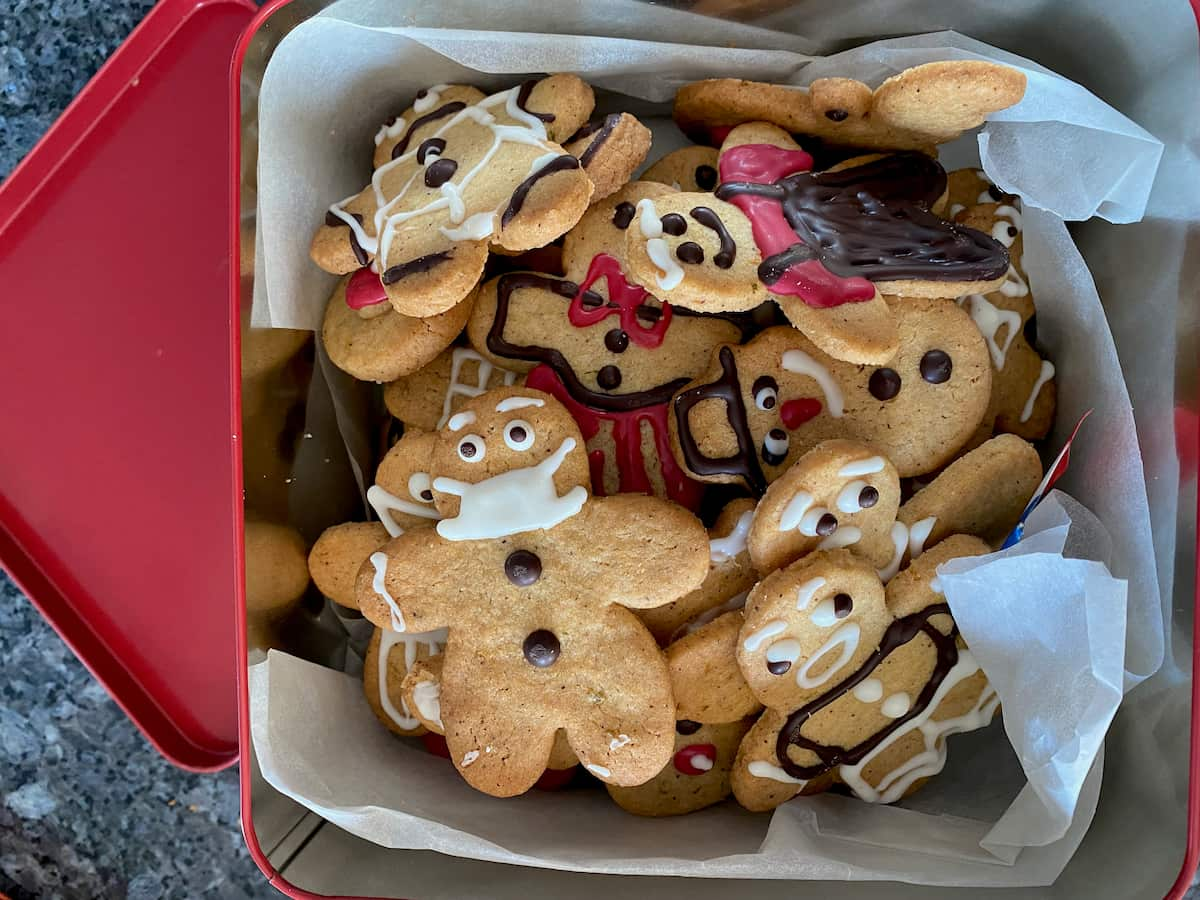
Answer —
(899, 633)
(873, 221)
(709, 219)
(412, 267)
(441, 112)
(438, 144)
(602, 128)
(523, 93)
(337, 222)
(558, 164)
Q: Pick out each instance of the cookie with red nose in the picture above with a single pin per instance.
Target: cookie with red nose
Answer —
(535, 581)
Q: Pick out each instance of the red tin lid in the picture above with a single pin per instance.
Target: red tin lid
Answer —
(117, 472)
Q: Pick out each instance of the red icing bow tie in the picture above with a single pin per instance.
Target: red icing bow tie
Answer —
(624, 299)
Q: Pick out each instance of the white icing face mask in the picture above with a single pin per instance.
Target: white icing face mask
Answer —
(511, 502)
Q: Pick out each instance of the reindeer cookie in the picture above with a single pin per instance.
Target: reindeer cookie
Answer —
(488, 172)
(535, 580)
(917, 109)
(607, 349)
(764, 404)
(862, 684)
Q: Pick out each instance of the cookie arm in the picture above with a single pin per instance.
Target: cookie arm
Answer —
(413, 582)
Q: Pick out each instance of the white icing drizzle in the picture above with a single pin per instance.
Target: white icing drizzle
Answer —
(723, 549)
(896, 705)
(429, 99)
(802, 364)
(918, 534)
(868, 466)
(806, 592)
(846, 637)
(990, 319)
(847, 498)
(795, 510)
(434, 641)
(458, 388)
(955, 209)
(514, 501)
(1045, 375)
(656, 247)
(869, 690)
(932, 758)
(763, 769)
(601, 771)
(824, 615)
(508, 404)
(461, 420)
(756, 639)
(701, 762)
(476, 228)
(531, 132)
(379, 561)
(899, 545)
(787, 649)
(1014, 285)
(618, 741)
(737, 601)
(384, 503)
(469, 757)
(935, 585)
(427, 695)
(388, 132)
(845, 536)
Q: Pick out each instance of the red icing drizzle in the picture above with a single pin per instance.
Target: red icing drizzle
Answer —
(809, 280)
(684, 759)
(627, 436)
(623, 300)
(795, 413)
(364, 289)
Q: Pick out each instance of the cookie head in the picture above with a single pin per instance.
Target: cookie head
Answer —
(692, 169)
(402, 495)
(839, 494)
(508, 461)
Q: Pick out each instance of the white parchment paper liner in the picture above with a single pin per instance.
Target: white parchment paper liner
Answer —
(318, 742)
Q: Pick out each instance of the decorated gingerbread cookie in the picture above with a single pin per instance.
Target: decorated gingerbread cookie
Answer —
(730, 575)
(704, 673)
(376, 343)
(609, 149)
(541, 636)
(489, 172)
(390, 657)
(402, 495)
(764, 404)
(688, 169)
(913, 110)
(429, 111)
(608, 350)
(839, 494)
(427, 398)
(863, 684)
(338, 554)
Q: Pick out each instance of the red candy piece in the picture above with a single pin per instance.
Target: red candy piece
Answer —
(555, 779)
(795, 413)
(623, 300)
(696, 759)
(809, 280)
(364, 289)
(435, 744)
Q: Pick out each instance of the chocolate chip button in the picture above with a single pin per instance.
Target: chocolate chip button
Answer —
(936, 366)
(868, 497)
(687, 726)
(884, 384)
(842, 605)
(827, 525)
(779, 666)
(616, 341)
(541, 648)
(673, 224)
(706, 177)
(523, 568)
(609, 377)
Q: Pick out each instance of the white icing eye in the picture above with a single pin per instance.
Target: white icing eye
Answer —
(775, 446)
(420, 487)
(766, 392)
(1005, 232)
(472, 449)
(518, 434)
(857, 496)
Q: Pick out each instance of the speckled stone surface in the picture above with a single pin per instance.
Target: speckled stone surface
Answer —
(87, 807)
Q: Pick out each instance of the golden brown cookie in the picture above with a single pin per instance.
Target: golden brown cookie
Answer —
(609, 150)
(704, 673)
(335, 558)
(686, 169)
(428, 112)
(390, 657)
(384, 346)
(426, 398)
(276, 571)
(916, 109)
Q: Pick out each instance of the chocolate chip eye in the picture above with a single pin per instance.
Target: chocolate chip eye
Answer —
(779, 666)
(706, 177)
(775, 446)
(868, 497)
(623, 214)
(884, 384)
(843, 605)
(518, 434)
(827, 525)
(936, 366)
(690, 252)
(419, 487)
(674, 224)
(472, 449)
(766, 392)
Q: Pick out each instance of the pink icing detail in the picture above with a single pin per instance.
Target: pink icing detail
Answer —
(795, 413)
(626, 297)
(364, 289)
(808, 280)
(684, 758)
(627, 436)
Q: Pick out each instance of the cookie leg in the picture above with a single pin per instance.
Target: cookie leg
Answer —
(498, 754)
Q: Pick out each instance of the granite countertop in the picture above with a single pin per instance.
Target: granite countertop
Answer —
(87, 807)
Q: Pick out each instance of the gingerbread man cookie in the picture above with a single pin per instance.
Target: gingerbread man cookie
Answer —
(489, 172)
(609, 150)
(390, 657)
(862, 684)
(688, 169)
(427, 398)
(541, 636)
(916, 109)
